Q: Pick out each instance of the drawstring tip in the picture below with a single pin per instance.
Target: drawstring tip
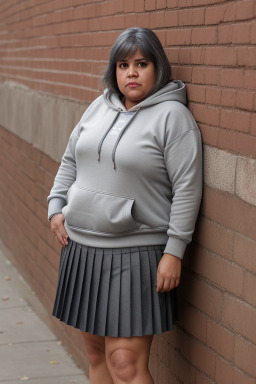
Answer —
(98, 157)
(114, 165)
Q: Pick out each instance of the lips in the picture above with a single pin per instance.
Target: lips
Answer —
(132, 84)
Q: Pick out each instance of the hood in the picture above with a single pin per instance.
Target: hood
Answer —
(173, 91)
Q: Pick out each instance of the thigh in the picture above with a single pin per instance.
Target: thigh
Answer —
(139, 346)
(94, 342)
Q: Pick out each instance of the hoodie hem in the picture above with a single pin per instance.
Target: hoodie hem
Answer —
(133, 240)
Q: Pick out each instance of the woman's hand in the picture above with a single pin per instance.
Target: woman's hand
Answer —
(168, 273)
(58, 229)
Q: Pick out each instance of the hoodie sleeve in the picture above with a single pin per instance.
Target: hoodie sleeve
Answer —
(183, 159)
(65, 177)
(66, 174)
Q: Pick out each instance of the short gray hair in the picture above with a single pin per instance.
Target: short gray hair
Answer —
(126, 46)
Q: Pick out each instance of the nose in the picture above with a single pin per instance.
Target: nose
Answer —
(132, 71)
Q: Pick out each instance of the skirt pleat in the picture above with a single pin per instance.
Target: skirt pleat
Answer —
(112, 292)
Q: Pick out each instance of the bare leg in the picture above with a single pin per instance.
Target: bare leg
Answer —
(95, 348)
(127, 359)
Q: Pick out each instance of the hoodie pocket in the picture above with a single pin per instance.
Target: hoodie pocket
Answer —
(99, 211)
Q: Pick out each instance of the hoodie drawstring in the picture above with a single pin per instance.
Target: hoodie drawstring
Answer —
(107, 131)
(119, 136)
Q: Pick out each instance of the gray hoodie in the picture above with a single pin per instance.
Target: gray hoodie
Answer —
(132, 178)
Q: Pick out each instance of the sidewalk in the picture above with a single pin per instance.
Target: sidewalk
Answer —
(29, 351)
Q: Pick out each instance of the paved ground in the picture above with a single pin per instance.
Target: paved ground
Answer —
(29, 351)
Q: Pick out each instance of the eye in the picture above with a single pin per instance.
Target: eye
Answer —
(123, 65)
(142, 64)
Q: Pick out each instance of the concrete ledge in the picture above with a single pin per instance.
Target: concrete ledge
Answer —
(43, 120)
(219, 169)
(246, 180)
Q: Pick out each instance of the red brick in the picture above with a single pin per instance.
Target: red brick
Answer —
(236, 142)
(220, 13)
(199, 355)
(245, 100)
(178, 37)
(228, 97)
(202, 379)
(193, 321)
(156, 19)
(222, 273)
(250, 79)
(236, 120)
(227, 373)
(150, 5)
(183, 73)
(129, 6)
(220, 56)
(232, 78)
(142, 19)
(225, 33)
(197, 55)
(171, 19)
(202, 295)
(245, 356)
(241, 33)
(253, 123)
(205, 114)
(161, 4)
(187, 373)
(250, 288)
(196, 93)
(213, 96)
(172, 3)
(253, 33)
(209, 134)
(204, 35)
(215, 237)
(191, 16)
(245, 9)
(212, 76)
(227, 210)
(220, 340)
(184, 55)
(246, 56)
(239, 317)
(172, 55)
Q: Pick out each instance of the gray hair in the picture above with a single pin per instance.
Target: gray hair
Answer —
(126, 46)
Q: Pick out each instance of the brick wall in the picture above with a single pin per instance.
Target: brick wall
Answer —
(59, 49)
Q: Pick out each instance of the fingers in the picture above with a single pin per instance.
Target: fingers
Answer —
(166, 285)
(61, 236)
(168, 273)
(58, 229)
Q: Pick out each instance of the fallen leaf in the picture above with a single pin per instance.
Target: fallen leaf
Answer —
(54, 362)
(7, 278)
(4, 298)
(24, 378)
(19, 322)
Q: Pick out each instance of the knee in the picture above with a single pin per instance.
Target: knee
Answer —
(95, 356)
(124, 364)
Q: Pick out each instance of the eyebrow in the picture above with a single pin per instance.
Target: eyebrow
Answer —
(141, 59)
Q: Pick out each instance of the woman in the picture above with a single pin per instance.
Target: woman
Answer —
(123, 206)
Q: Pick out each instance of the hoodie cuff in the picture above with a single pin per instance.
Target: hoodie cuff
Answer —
(175, 247)
(55, 206)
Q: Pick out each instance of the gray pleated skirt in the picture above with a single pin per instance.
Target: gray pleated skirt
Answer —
(112, 292)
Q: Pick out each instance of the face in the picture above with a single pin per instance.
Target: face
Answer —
(136, 77)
